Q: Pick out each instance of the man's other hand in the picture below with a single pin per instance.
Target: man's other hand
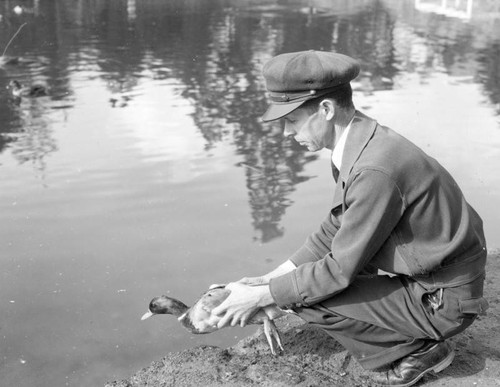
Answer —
(241, 304)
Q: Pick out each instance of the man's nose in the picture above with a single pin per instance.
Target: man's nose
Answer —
(288, 130)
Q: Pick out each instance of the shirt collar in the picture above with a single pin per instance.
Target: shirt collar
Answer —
(338, 151)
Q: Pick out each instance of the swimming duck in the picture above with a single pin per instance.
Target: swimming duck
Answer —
(18, 90)
(119, 100)
(196, 319)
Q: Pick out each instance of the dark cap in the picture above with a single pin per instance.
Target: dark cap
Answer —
(296, 77)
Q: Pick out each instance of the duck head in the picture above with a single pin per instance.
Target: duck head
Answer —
(15, 88)
(14, 84)
(165, 305)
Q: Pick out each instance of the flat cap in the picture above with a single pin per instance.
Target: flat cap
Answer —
(296, 77)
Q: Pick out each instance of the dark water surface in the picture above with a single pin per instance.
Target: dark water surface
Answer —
(146, 170)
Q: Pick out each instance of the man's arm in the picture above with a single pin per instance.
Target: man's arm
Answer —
(317, 244)
(374, 207)
(252, 293)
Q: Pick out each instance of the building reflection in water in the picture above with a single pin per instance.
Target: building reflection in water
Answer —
(461, 9)
(215, 51)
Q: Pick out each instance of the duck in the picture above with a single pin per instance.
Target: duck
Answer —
(198, 318)
(119, 100)
(18, 90)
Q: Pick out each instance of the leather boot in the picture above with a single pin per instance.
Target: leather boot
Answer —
(433, 356)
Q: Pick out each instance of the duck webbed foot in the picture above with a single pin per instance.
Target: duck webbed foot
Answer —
(271, 333)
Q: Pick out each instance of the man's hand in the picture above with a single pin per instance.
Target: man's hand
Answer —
(247, 296)
(241, 304)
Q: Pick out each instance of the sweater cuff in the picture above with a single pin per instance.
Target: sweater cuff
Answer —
(284, 291)
(302, 255)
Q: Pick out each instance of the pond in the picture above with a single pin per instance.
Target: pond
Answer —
(146, 169)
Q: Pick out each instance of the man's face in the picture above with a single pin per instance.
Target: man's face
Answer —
(309, 129)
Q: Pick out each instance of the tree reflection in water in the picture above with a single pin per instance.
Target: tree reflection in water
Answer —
(35, 141)
(214, 51)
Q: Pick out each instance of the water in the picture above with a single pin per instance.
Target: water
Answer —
(147, 170)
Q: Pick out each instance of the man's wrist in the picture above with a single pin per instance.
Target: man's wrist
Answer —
(265, 297)
(284, 268)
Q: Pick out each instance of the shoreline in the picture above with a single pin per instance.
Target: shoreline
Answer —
(312, 358)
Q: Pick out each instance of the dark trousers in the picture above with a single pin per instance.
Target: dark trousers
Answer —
(380, 319)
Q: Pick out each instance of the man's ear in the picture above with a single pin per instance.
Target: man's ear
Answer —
(327, 108)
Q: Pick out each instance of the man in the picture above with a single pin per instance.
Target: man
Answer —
(397, 266)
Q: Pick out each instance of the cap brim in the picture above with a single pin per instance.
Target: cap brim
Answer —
(277, 111)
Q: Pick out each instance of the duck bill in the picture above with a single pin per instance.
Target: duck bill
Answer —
(147, 315)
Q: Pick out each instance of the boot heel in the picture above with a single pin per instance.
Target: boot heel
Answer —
(445, 363)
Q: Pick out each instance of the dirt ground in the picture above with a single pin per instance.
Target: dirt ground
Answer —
(312, 358)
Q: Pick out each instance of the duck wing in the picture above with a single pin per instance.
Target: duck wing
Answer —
(213, 298)
(199, 318)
